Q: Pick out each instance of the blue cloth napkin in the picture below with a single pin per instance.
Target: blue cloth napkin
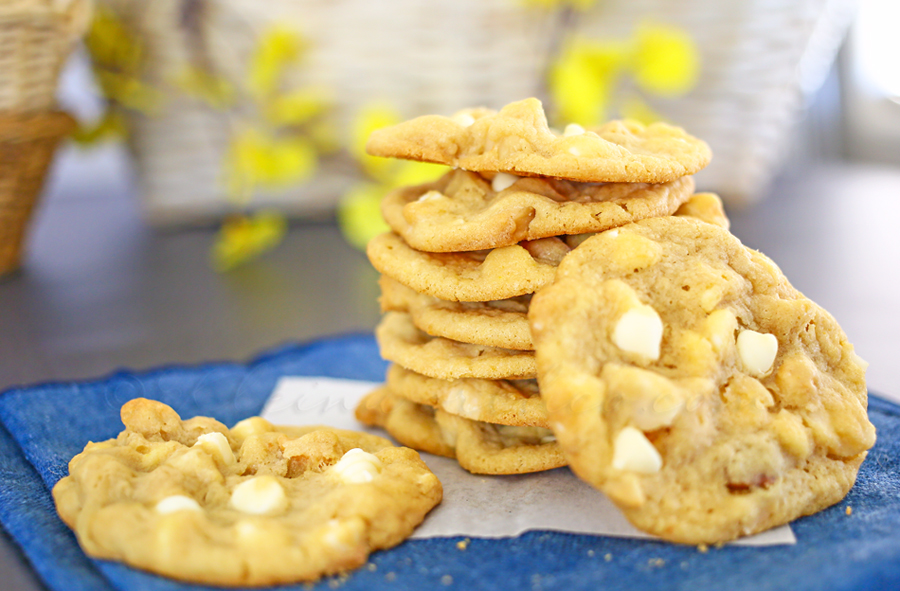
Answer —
(43, 426)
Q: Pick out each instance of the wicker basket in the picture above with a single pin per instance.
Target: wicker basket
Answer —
(27, 144)
(440, 56)
(36, 37)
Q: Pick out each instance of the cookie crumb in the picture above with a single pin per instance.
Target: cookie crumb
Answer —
(590, 552)
(446, 580)
(849, 510)
(372, 567)
(684, 565)
(703, 548)
(656, 562)
(462, 544)
(719, 545)
(334, 584)
(607, 557)
(390, 576)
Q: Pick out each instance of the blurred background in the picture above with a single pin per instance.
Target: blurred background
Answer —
(184, 180)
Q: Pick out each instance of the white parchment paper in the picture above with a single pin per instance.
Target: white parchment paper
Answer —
(475, 505)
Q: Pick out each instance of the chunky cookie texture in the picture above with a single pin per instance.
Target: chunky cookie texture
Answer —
(401, 342)
(479, 447)
(518, 140)
(688, 380)
(251, 505)
(468, 211)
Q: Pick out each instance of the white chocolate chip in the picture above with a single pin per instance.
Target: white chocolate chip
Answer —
(503, 180)
(259, 495)
(343, 534)
(574, 151)
(216, 445)
(757, 351)
(246, 529)
(357, 466)
(251, 426)
(464, 119)
(632, 451)
(177, 503)
(430, 196)
(573, 129)
(639, 330)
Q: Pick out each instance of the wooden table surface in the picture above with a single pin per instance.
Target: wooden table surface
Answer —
(101, 291)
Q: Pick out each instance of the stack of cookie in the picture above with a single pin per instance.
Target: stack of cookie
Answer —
(678, 371)
(468, 251)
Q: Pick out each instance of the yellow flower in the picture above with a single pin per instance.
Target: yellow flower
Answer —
(242, 238)
(372, 117)
(111, 124)
(583, 81)
(295, 107)
(129, 91)
(666, 60)
(277, 48)
(214, 90)
(410, 172)
(359, 214)
(258, 159)
(583, 78)
(110, 42)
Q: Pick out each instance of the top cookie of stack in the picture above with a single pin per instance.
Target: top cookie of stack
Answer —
(517, 179)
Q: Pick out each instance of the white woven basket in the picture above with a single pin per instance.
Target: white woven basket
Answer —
(443, 55)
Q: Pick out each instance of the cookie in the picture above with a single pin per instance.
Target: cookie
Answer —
(687, 379)
(250, 505)
(475, 276)
(465, 211)
(501, 273)
(706, 207)
(518, 140)
(500, 323)
(411, 424)
(505, 402)
(479, 447)
(401, 342)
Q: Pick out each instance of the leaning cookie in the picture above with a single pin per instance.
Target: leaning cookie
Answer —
(251, 505)
(401, 342)
(688, 380)
(465, 211)
(518, 140)
(505, 402)
(499, 323)
(479, 447)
